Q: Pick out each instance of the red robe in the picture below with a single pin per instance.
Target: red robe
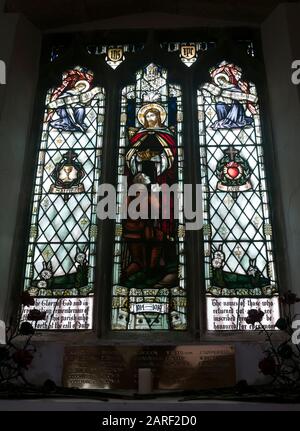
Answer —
(169, 176)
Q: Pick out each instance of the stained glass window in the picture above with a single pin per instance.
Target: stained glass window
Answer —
(149, 289)
(238, 248)
(60, 266)
(149, 261)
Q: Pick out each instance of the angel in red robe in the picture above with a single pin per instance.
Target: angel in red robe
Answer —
(71, 116)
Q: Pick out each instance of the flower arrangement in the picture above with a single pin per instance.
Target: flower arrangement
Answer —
(281, 361)
(17, 354)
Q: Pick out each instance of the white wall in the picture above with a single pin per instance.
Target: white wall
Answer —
(281, 45)
(20, 49)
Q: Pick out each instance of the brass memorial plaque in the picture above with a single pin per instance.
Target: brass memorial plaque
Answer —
(178, 367)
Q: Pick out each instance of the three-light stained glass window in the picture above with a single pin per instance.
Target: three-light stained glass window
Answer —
(149, 284)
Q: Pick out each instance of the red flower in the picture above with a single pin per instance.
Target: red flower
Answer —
(289, 298)
(254, 316)
(267, 366)
(36, 315)
(22, 358)
(27, 299)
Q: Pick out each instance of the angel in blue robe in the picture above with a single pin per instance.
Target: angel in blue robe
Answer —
(71, 116)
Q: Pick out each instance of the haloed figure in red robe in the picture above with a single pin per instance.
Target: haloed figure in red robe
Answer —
(152, 161)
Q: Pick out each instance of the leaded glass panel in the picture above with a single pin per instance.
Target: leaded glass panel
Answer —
(149, 256)
(238, 247)
(60, 266)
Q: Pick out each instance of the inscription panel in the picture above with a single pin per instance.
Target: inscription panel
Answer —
(173, 368)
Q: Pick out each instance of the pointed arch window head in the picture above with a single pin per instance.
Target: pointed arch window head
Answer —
(149, 291)
(60, 261)
(238, 248)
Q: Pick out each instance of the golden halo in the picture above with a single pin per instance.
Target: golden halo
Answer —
(145, 108)
(83, 82)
